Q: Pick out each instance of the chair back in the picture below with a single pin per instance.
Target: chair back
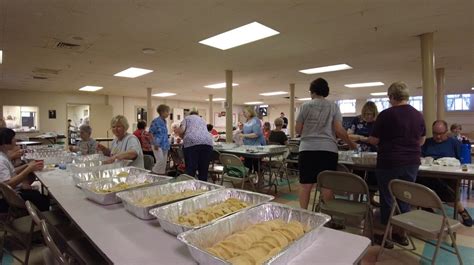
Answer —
(36, 215)
(58, 246)
(414, 194)
(148, 161)
(230, 160)
(11, 197)
(342, 182)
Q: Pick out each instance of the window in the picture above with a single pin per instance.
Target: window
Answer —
(381, 103)
(458, 102)
(21, 118)
(416, 102)
(347, 105)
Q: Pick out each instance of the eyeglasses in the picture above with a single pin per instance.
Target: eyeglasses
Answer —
(440, 133)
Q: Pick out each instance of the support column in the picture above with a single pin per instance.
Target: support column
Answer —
(211, 111)
(291, 120)
(428, 74)
(440, 108)
(149, 107)
(228, 106)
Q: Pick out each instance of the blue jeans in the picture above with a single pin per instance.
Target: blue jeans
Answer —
(384, 176)
(198, 158)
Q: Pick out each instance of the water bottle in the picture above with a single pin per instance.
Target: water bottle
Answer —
(465, 152)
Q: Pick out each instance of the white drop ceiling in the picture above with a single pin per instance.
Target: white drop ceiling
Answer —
(378, 38)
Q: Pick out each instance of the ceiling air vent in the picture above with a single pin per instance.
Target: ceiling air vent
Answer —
(39, 77)
(289, 97)
(66, 45)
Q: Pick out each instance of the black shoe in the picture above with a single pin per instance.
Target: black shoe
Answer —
(378, 241)
(466, 218)
(336, 226)
(402, 240)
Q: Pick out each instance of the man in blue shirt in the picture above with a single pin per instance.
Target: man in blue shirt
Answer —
(441, 145)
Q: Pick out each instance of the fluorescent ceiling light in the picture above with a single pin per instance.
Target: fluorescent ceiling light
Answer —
(325, 69)
(379, 94)
(90, 88)
(164, 94)
(216, 99)
(1, 56)
(240, 36)
(304, 99)
(133, 72)
(253, 103)
(276, 93)
(472, 88)
(219, 85)
(369, 84)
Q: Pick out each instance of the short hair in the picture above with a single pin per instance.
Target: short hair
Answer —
(194, 112)
(398, 91)
(209, 127)
(6, 136)
(445, 124)
(162, 108)
(251, 111)
(455, 125)
(369, 106)
(319, 87)
(267, 124)
(85, 128)
(119, 119)
(282, 113)
(278, 122)
(141, 124)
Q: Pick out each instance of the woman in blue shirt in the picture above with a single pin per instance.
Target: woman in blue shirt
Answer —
(252, 135)
(161, 143)
(361, 127)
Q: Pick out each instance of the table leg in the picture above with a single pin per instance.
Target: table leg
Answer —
(457, 196)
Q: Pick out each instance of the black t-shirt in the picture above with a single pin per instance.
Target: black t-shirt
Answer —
(277, 138)
(285, 122)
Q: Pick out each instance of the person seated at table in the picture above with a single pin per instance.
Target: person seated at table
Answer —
(145, 138)
(456, 129)
(125, 146)
(19, 178)
(266, 130)
(87, 145)
(278, 136)
(441, 145)
(237, 134)
(214, 133)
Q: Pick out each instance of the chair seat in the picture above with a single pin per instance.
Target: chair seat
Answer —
(347, 208)
(423, 223)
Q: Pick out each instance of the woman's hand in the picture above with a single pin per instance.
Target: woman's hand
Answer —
(35, 166)
(101, 147)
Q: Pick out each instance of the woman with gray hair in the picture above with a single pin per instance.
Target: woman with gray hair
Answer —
(399, 132)
(125, 146)
(86, 145)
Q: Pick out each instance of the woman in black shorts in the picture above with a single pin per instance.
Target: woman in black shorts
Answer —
(319, 122)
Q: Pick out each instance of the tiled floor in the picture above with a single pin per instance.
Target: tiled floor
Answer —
(465, 238)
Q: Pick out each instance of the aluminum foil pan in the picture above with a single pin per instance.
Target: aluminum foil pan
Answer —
(168, 215)
(135, 181)
(200, 239)
(96, 165)
(130, 197)
(103, 172)
(92, 157)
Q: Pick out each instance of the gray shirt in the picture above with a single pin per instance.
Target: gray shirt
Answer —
(317, 117)
(128, 142)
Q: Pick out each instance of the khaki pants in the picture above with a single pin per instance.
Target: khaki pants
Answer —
(161, 157)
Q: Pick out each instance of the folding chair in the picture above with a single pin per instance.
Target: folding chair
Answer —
(215, 167)
(19, 224)
(421, 224)
(277, 169)
(354, 211)
(228, 161)
(291, 161)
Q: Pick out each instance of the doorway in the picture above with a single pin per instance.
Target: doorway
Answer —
(77, 115)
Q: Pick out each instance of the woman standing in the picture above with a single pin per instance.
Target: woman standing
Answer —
(318, 123)
(125, 146)
(161, 143)
(252, 134)
(361, 127)
(197, 145)
(399, 133)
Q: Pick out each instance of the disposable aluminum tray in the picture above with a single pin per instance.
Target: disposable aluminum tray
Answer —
(91, 157)
(104, 171)
(129, 197)
(168, 215)
(137, 181)
(199, 239)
